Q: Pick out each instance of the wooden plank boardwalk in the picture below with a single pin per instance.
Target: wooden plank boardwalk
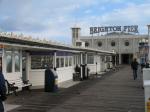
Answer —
(114, 92)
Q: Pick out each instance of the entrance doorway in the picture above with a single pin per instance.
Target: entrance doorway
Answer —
(126, 58)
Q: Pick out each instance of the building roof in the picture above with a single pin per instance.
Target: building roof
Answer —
(46, 45)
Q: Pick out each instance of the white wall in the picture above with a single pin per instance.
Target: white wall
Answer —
(119, 39)
(92, 68)
(37, 77)
(102, 64)
(97, 59)
(65, 74)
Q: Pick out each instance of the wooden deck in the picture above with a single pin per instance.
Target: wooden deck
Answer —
(113, 92)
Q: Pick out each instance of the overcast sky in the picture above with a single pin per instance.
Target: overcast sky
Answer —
(53, 19)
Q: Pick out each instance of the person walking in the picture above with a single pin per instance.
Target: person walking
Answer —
(134, 66)
(2, 90)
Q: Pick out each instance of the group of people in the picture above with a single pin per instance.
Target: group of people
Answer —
(134, 66)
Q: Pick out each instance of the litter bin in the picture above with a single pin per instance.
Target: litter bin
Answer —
(84, 71)
(146, 85)
(77, 73)
(49, 81)
(146, 72)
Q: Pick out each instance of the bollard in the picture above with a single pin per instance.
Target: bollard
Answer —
(148, 105)
(146, 85)
(147, 95)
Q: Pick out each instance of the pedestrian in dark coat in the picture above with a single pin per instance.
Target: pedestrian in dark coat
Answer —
(49, 80)
(2, 92)
(134, 66)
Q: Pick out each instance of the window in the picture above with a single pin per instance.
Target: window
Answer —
(9, 61)
(83, 58)
(86, 44)
(57, 63)
(90, 59)
(77, 34)
(40, 62)
(70, 61)
(62, 62)
(107, 59)
(99, 44)
(113, 43)
(66, 61)
(17, 62)
(73, 33)
(76, 60)
(126, 43)
(102, 58)
(78, 43)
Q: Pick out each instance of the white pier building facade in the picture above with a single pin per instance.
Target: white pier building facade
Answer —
(24, 58)
(124, 40)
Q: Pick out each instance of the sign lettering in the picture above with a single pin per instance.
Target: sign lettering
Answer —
(129, 29)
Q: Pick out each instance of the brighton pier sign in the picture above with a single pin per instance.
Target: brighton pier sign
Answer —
(129, 29)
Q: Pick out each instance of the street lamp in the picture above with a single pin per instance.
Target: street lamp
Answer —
(143, 50)
(149, 41)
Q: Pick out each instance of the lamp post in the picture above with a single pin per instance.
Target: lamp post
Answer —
(143, 50)
(148, 41)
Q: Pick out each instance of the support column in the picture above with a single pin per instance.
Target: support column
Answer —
(54, 60)
(28, 65)
(115, 60)
(3, 61)
(21, 58)
(96, 63)
(149, 41)
(106, 63)
(74, 60)
(119, 58)
(86, 68)
(81, 63)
